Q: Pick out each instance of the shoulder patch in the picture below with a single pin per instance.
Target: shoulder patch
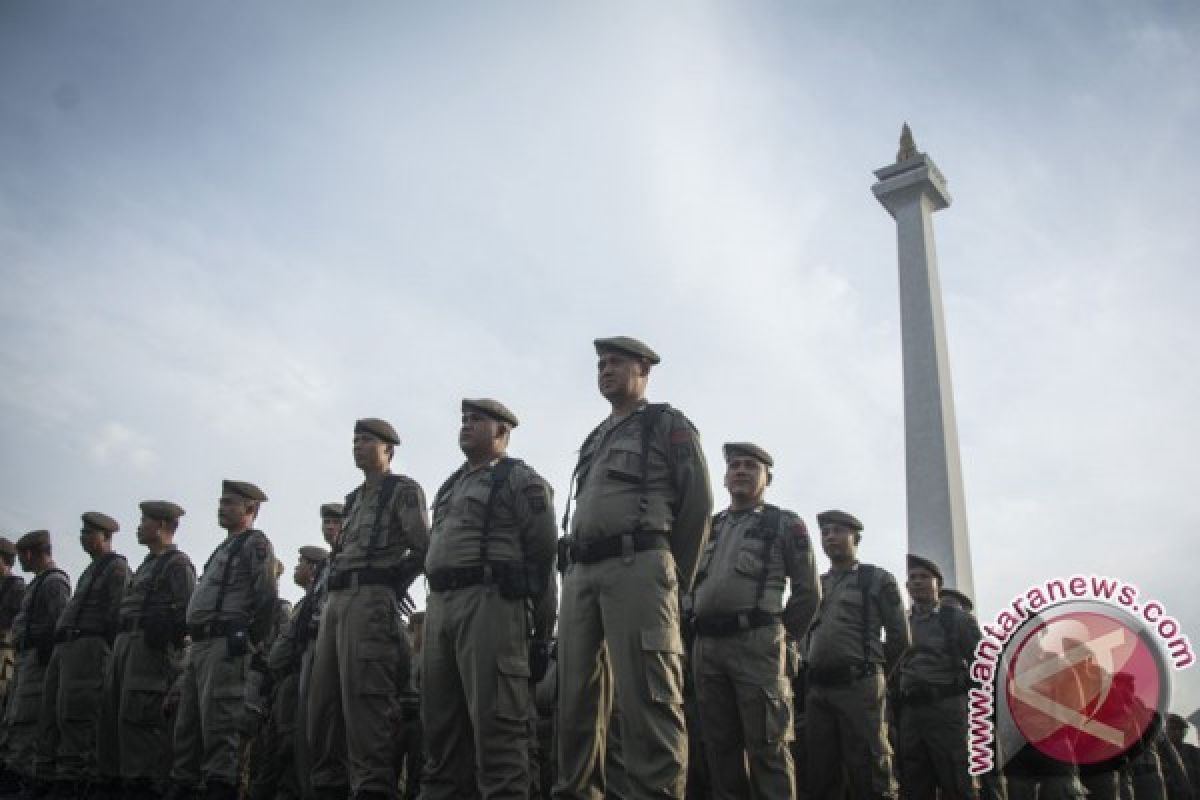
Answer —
(535, 495)
(681, 436)
(799, 533)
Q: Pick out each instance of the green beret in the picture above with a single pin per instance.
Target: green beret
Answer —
(379, 428)
(163, 510)
(493, 408)
(101, 522)
(747, 449)
(332, 511)
(34, 540)
(627, 345)
(7, 547)
(835, 517)
(962, 599)
(244, 489)
(317, 555)
(920, 562)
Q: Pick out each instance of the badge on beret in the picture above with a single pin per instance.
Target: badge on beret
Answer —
(536, 496)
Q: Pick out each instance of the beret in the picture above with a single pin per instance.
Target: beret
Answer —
(318, 555)
(747, 449)
(94, 519)
(493, 408)
(920, 562)
(332, 511)
(34, 539)
(626, 344)
(7, 547)
(244, 489)
(835, 517)
(379, 428)
(963, 600)
(162, 509)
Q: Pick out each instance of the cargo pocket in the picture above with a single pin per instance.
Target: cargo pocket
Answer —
(749, 561)
(777, 715)
(141, 703)
(27, 703)
(377, 668)
(228, 705)
(81, 700)
(662, 652)
(512, 688)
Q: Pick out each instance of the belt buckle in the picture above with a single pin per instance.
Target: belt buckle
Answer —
(627, 549)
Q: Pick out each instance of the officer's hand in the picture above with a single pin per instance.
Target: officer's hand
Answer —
(539, 659)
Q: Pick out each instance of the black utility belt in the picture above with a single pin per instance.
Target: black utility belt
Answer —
(215, 630)
(840, 676)
(733, 622)
(504, 575)
(622, 544)
(71, 634)
(366, 576)
(924, 693)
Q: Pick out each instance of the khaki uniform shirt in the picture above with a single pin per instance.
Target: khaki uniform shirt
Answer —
(836, 638)
(12, 589)
(935, 659)
(403, 529)
(250, 590)
(44, 599)
(95, 606)
(522, 528)
(294, 638)
(161, 587)
(732, 567)
(678, 495)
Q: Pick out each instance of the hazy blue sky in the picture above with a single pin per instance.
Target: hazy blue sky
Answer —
(227, 230)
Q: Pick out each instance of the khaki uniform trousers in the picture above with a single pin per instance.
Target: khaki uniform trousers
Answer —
(24, 710)
(274, 770)
(746, 713)
(847, 738)
(621, 615)
(475, 699)
(933, 749)
(301, 747)
(135, 737)
(208, 723)
(361, 663)
(66, 748)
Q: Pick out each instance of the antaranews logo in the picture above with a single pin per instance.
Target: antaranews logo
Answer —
(1076, 672)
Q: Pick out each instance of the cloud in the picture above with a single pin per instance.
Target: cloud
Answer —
(119, 445)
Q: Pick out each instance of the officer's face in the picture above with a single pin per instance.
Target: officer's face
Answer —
(331, 529)
(149, 531)
(90, 540)
(370, 452)
(478, 433)
(302, 575)
(620, 376)
(25, 559)
(838, 541)
(232, 511)
(746, 478)
(922, 586)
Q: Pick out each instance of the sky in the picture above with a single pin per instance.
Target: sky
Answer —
(229, 230)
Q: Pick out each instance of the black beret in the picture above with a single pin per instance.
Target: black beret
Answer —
(920, 562)
(747, 449)
(835, 517)
(103, 522)
(332, 511)
(34, 540)
(962, 599)
(380, 428)
(493, 408)
(244, 489)
(7, 547)
(318, 555)
(627, 345)
(162, 509)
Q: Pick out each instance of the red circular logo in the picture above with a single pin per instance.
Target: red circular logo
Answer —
(1085, 687)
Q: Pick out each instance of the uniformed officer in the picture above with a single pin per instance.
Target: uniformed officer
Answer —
(933, 684)
(742, 684)
(644, 501)
(490, 561)
(1189, 754)
(276, 773)
(955, 599)
(75, 675)
(12, 588)
(41, 606)
(134, 743)
(260, 689)
(228, 618)
(331, 531)
(363, 656)
(412, 738)
(846, 727)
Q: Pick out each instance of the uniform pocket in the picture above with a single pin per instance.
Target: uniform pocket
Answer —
(512, 688)
(624, 465)
(377, 668)
(141, 703)
(662, 652)
(777, 715)
(81, 700)
(227, 708)
(749, 561)
(27, 703)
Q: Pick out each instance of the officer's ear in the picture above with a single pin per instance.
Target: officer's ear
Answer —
(503, 429)
(857, 538)
(391, 451)
(644, 367)
(770, 477)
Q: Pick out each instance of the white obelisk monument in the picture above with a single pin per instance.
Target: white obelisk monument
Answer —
(911, 190)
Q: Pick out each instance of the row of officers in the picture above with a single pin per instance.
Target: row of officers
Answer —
(150, 683)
